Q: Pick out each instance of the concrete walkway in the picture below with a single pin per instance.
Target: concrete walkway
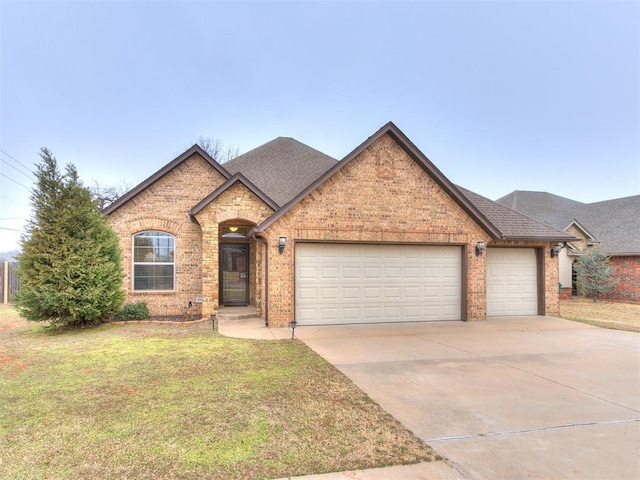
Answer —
(525, 397)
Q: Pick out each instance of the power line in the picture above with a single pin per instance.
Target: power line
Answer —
(17, 161)
(22, 204)
(11, 229)
(15, 168)
(12, 218)
(15, 181)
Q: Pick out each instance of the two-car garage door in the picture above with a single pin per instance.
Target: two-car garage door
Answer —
(363, 283)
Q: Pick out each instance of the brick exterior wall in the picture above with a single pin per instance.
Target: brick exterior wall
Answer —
(566, 294)
(381, 196)
(628, 277)
(165, 206)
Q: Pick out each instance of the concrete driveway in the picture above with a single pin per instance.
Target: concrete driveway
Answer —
(509, 398)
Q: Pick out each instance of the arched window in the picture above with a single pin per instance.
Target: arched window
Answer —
(153, 261)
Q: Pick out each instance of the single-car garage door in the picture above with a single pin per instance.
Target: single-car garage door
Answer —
(361, 283)
(511, 282)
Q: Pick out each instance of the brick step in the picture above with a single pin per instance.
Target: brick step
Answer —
(230, 314)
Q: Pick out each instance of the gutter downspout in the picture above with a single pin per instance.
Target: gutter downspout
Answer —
(263, 240)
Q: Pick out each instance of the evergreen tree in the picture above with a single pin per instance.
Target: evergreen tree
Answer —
(70, 269)
(595, 274)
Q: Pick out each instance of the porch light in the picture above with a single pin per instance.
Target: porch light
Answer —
(282, 241)
(233, 229)
(480, 247)
(555, 250)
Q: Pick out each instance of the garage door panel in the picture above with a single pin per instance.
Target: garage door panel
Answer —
(351, 313)
(307, 314)
(351, 293)
(371, 293)
(392, 272)
(412, 272)
(330, 293)
(329, 313)
(308, 293)
(412, 291)
(511, 281)
(391, 293)
(377, 283)
(350, 273)
(431, 292)
(449, 292)
(329, 273)
(308, 272)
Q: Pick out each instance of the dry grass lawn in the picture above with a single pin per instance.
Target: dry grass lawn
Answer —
(176, 402)
(617, 315)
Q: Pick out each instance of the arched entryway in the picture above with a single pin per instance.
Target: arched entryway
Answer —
(236, 263)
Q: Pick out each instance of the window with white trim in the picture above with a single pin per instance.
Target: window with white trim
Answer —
(153, 261)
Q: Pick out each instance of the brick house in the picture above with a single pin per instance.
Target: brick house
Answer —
(380, 236)
(612, 224)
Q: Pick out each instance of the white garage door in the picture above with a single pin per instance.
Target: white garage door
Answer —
(347, 283)
(511, 282)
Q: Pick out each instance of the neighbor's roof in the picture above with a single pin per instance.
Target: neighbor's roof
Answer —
(615, 223)
(281, 168)
(514, 225)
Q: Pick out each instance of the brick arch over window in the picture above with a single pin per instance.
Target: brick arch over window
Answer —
(159, 224)
(249, 215)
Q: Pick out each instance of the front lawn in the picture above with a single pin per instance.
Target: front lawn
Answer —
(603, 313)
(163, 401)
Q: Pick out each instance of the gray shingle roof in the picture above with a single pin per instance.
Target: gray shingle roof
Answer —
(284, 171)
(615, 223)
(497, 220)
(281, 168)
(514, 225)
(542, 206)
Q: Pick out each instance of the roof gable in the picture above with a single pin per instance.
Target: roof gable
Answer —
(162, 172)
(587, 235)
(237, 178)
(414, 153)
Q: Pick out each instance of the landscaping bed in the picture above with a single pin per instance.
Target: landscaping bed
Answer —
(153, 401)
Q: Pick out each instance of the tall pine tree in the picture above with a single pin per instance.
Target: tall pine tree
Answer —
(70, 269)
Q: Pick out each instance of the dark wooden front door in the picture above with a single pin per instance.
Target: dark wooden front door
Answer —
(234, 274)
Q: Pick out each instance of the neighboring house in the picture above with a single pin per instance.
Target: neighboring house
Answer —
(380, 236)
(613, 224)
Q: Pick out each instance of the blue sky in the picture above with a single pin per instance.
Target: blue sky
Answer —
(500, 95)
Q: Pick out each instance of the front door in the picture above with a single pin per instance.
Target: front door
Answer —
(234, 274)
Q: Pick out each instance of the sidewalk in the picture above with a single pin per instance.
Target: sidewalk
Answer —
(419, 471)
(254, 328)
